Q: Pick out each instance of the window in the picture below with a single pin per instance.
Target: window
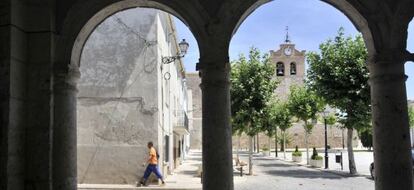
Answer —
(293, 68)
(280, 69)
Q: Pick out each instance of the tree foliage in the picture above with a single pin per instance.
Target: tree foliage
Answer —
(305, 105)
(366, 138)
(251, 89)
(411, 115)
(278, 115)
(339, 74)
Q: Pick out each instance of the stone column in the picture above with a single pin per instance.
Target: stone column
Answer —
(393, 165)
(64, 131)
(217, 133)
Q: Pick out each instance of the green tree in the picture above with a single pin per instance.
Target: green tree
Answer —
(268, 124)
(283, 119)
(251, 90)
(280, 117)
(339, 74)
(305, 105)
(366, 137)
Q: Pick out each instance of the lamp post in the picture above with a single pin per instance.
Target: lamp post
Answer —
(183, 45)
(325, 115)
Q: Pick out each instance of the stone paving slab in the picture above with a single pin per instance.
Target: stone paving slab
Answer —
(270, 173)
(362, 160)
(184, 178)
(131, 187)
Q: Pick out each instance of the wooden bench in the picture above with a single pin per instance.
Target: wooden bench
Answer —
(239, 165)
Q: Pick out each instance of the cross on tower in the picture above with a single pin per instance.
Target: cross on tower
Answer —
(287, 40)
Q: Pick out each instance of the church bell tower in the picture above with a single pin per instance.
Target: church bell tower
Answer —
(289, 66)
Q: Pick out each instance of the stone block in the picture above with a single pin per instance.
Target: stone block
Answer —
(5, 12)
(18, 45)
(39, 15)
(5, 40)
(40, 46)
(18, 16)
(17, 79)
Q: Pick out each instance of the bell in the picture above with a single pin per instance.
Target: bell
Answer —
(280, 72)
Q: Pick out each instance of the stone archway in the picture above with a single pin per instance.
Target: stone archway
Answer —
(78, 25)
(385, 39)
(345, 7)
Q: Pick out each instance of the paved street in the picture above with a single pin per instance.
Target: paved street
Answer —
(270, 174)
(281, 175)
(362, 160)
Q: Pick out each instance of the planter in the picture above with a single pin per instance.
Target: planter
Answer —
(297, 158)
(316, 163)
(266, 153)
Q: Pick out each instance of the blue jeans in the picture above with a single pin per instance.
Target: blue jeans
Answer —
(152, 168)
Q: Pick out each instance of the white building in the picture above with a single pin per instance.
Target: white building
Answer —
(128, 97)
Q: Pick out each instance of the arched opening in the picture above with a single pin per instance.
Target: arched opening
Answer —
(310, 23)
(293, 68)
(409, 71)
(132, 90)
(280, 69)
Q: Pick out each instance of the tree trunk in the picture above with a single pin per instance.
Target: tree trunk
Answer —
(351, 159)
(238, 151)
(307, 147)
(254, 143)
(269, 143)
(251, 155)
(258, 143)
(276, 144)
(284, 144)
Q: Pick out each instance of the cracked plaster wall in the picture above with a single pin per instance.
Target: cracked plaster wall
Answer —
(118, 99)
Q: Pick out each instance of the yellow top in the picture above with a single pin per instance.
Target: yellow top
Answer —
(153, 156)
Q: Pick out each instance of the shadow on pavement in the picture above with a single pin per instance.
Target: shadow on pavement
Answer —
(276, 165)
(300, 173)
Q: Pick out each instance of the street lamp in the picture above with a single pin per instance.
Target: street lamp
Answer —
(183, 45)
(325, 115)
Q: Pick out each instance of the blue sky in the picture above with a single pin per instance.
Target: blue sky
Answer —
(310, 23)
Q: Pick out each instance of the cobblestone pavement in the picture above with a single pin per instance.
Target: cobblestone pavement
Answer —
(271, 174)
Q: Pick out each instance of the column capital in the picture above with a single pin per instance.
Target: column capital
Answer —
(387, 78)
(387, 66)
(214, 72)
(390, 56)
(213, 63)
(65, 82)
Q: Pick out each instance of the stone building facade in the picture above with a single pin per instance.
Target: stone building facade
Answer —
(193, 83)
(128, 97)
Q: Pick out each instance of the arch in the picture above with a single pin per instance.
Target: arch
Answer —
(85, 16)
(280, 69)
(73, 29)
(350, 11)
(293, 69)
